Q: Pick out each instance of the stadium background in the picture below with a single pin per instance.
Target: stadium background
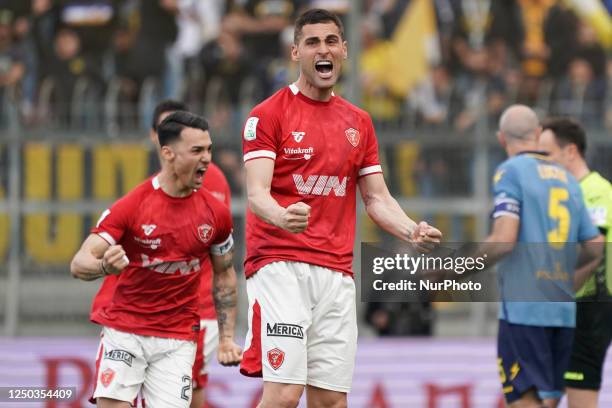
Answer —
(78, 82)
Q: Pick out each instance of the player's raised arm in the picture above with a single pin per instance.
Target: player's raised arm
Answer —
(225, 297)
(385, 211)
(97, 258)
(259, 173)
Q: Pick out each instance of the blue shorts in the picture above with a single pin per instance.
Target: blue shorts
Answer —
(533, 357)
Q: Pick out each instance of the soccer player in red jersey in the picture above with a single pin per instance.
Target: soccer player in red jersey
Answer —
(208, 336)
(306, 150)
(156, 239)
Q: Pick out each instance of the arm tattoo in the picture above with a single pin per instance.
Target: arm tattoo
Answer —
(228, 259)
(224, 293)
(225, 299)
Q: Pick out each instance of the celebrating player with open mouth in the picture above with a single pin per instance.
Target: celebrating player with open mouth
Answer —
(306, 150)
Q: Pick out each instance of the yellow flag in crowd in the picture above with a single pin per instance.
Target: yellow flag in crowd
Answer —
(403, 61)
(595, 14)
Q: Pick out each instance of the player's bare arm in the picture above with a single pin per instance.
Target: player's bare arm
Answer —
(97, 258)
(502, 239)
(590, 257)
(225, 297)
(259, 173)
(385, 211)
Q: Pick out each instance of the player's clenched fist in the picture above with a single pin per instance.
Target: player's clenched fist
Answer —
(114, 260)
(229, 353)
(295, 217)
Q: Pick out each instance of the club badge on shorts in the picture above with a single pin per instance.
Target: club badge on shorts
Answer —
(276, 357)
(107, 376)
(352, 136)
(205, 232)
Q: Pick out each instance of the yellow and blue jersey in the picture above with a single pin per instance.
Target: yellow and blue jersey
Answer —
(553, 218)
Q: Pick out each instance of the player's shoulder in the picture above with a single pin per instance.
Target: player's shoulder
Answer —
(597, 189)
(511, 164)
(217, 207)
(340, 101)
(597, 183)
(143, 189)
(272, 104)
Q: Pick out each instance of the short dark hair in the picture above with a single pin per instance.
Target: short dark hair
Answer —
(316, 16)
(170, 129)
(567, 131)
(169, 105)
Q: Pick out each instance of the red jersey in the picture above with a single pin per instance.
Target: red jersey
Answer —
(167, 240)
(319, 149)
(216, 183)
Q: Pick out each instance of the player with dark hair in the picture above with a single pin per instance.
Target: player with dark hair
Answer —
(306, 150)
(565, 141)
(156, 239)
(208, 336)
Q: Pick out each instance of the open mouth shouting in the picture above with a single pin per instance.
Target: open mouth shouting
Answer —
(199, 174)
(325, 68)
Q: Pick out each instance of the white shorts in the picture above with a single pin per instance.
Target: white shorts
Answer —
(302, 326)
(208, 341)
(162, 367)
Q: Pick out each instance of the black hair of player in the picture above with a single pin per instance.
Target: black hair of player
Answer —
(169, 105)
(316, 16)
(169, 130)
(567, 131)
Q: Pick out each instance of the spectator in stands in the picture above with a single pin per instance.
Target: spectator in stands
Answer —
(561, 36)
(484, 31)
(67, 67)
(44, 25)
(534, 52)
(199, 22)
(580, 94)
(430, 100)
(94, 21)
(143, 41)
(12, 67)
(259, 24)
(225, 60)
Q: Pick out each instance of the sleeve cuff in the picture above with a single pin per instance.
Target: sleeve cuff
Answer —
(107, 237)
(370, 170)
(256, 154)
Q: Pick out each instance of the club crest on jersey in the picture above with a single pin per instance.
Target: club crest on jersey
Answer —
(352, 136)
(106, 377)
(276, 357)
(298, 136)
(205, 231)
(148, 228)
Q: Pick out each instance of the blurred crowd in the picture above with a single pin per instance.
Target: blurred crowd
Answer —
(105, 63)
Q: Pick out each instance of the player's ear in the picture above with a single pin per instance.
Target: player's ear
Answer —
(294, 52)
(345, 49)
(167, 153)
(573, 150)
